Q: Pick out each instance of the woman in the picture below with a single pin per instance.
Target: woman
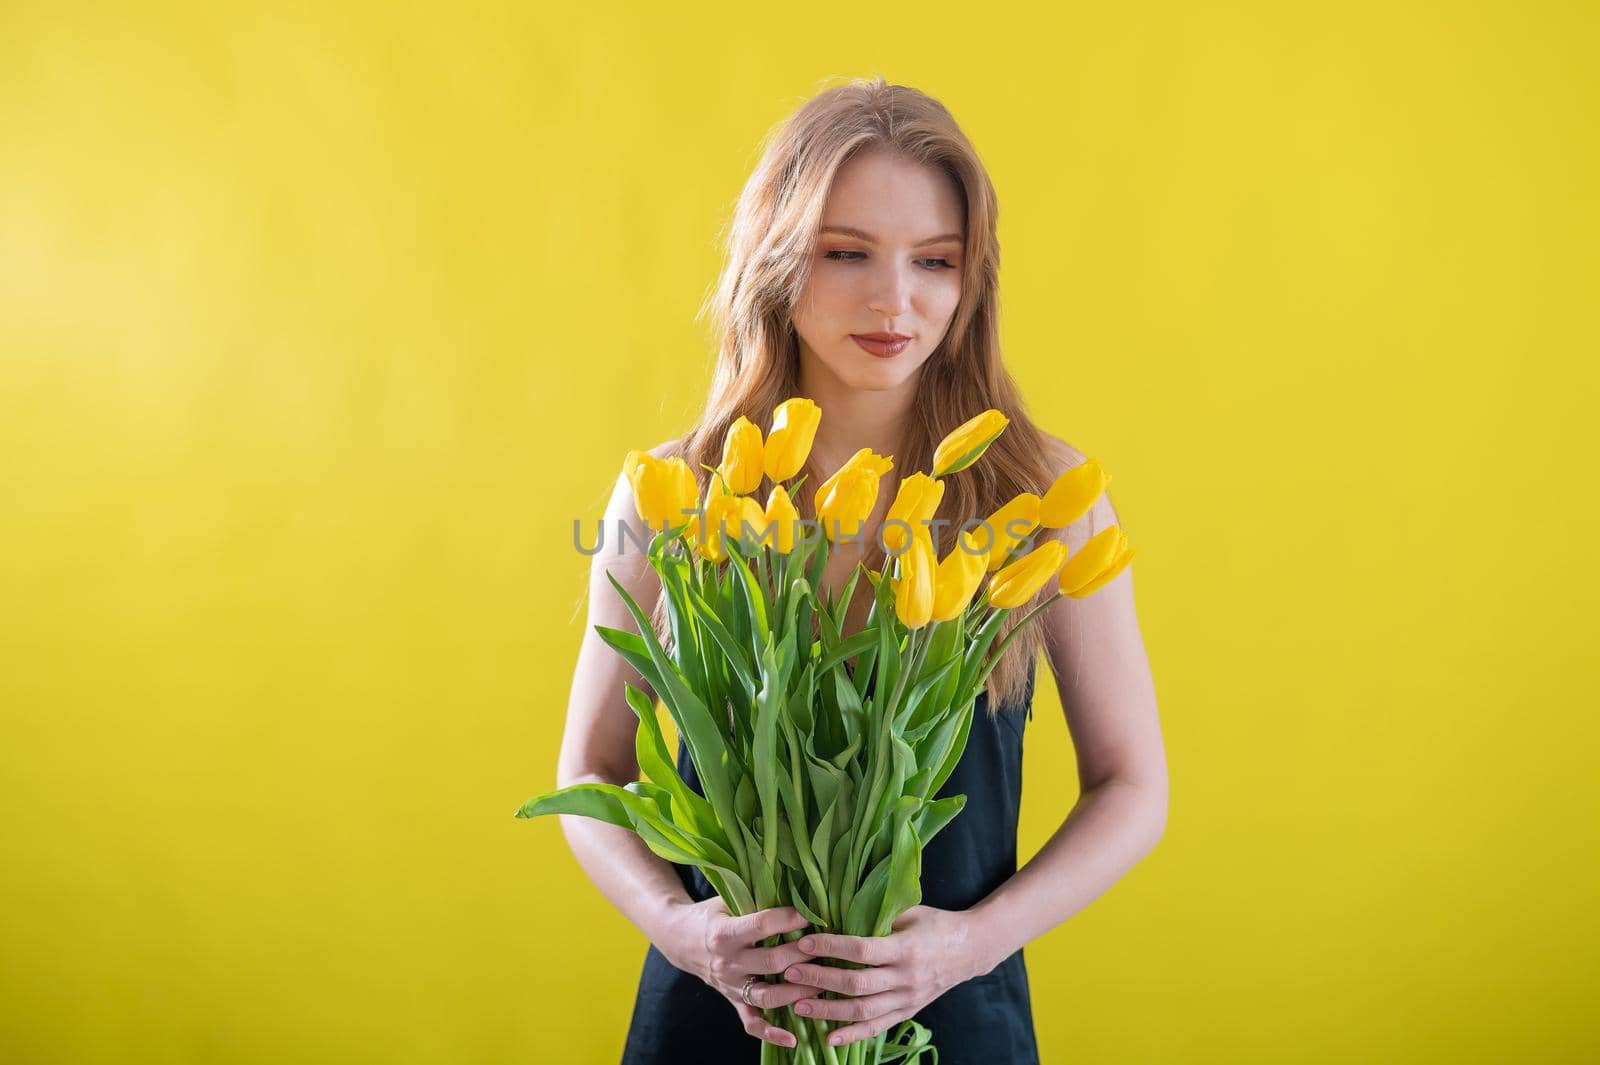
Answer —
(862, 273)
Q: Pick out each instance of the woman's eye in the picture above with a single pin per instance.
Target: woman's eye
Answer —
(943, 264)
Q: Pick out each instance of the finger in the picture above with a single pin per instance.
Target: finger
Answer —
(770, 959)
(754, 927)
(850, 1009)
(869, 950)
(853, 982)
(757, 1025)
(773, 996)
(867, 1029)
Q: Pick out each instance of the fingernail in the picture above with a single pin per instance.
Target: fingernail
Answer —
(835, 1040)
(794, 974)
(803, 1008)
(808, 945)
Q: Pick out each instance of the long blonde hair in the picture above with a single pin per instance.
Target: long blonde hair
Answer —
(770, 248)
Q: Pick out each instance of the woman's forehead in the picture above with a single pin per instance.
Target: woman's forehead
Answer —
(893, 200)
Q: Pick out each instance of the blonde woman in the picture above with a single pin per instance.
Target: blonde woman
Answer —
(861, 272)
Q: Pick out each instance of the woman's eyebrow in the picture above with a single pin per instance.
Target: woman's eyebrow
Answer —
(861, 234)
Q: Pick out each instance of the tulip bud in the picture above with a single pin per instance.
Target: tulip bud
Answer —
(1072, 494)
(957, 578)
(741, 457)
(1096, 563)
(865, 459)
(845, 501)
(726, 514)
(663, 489)
(913, 590)
(782, 517)
(1010, 525)
(962, 447)
(1017, 582)
(794, 428)
(914, 504)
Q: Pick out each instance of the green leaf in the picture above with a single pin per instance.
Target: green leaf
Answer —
(657, 763)
(600, 801)
(907, 1044)
(799, 899)
(864, 907)
(822, 839)
(904, 888)
(764, 752)
(735, 653)
(753, 599)
(958, 744)
(626, 809)
(936, 814)
(701, 731)
(734, 891)
(847, 649)
(690, 809)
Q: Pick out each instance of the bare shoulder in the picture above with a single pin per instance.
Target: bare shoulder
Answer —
(669, 448)
(1063, 456)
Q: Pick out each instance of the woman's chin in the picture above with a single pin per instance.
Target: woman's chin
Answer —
(881, 375)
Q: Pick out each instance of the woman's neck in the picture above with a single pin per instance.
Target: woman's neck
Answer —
(854, 418)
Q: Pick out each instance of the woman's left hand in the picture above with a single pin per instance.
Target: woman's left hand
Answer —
(928, 952)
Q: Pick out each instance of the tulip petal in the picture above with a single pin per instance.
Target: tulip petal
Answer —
(1091, 560)
(1072, 494)
(967, 442)
(1123, 558)
(742, 465)
(794, 428)
(1019, 581)
(1021, 512)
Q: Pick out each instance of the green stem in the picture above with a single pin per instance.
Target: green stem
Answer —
(918, 649)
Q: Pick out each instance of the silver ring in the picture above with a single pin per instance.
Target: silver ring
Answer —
(744, 992)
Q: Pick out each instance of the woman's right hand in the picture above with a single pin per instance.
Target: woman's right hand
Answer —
(722, 950)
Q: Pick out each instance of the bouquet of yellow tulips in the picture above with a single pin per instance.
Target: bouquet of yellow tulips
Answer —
(819, 776)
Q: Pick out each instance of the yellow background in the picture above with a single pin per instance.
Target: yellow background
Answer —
(318, 329)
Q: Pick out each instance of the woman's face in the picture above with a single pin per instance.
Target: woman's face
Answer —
(898, 272)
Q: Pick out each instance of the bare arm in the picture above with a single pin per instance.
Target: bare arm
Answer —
(1103, 675)
(597, 744)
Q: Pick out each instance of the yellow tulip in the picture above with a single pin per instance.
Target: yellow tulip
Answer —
(915, 503)
(957, 578)
(663, 489)
(865, 459)
(1072, 494)
(913, 590)
(794, 427)
(963, 446)
(729, 514)
(1021, 513)
(845, 500)
(747, 519)
(1099, 560)
(1017, 582)
(741, 457)
(781, 518)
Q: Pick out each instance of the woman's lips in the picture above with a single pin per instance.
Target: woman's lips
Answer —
(883, 349)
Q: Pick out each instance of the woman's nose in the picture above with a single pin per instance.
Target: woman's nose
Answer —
(893, 293)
